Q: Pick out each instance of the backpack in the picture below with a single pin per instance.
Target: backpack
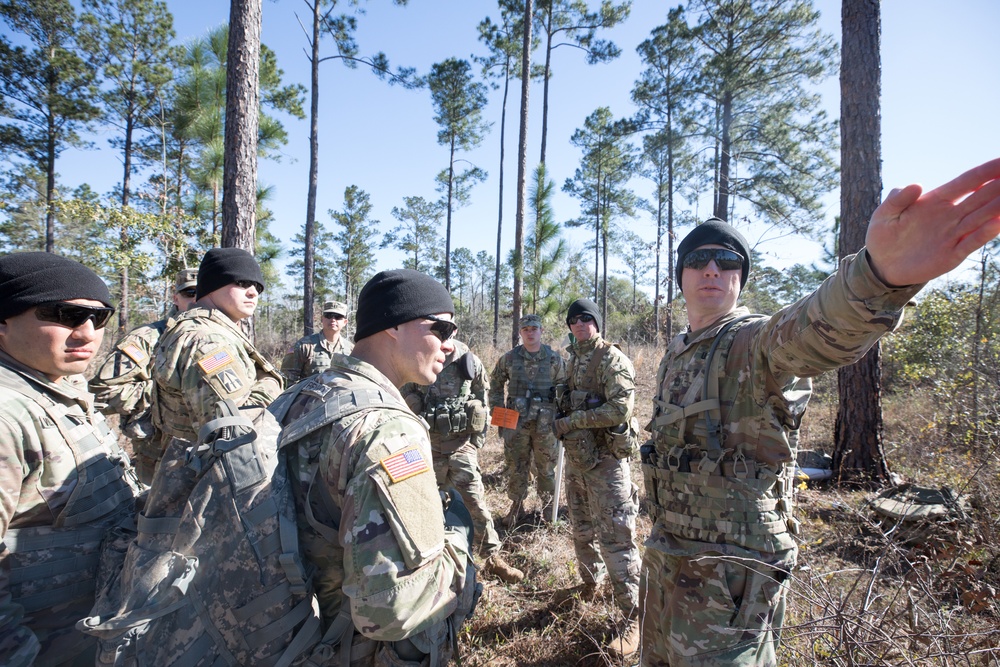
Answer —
(214, 575)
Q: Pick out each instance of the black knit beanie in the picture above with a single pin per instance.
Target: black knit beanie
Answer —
(31, 278)
(714, 232)
(585, 307)
(394, 297)
(225, 266)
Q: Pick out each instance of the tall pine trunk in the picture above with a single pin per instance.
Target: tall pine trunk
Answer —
(239, 190)
(858, 454)
(522, 171)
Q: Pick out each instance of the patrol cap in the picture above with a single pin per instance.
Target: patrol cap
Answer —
(335, 308)
(28, 279)
(224, 266)
(530, 321)
(186, 279)
(394, 297)
(714, 231)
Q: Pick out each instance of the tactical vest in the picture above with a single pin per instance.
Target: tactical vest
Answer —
(526, 394)
(68, 552)
(700, 489)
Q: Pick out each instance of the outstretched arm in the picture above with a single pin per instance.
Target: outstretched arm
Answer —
(915, 236)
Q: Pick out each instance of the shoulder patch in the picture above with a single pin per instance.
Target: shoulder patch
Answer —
(215, 361)
(135, 353)
(405, 464)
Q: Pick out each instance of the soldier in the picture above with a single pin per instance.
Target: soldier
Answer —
(455, 408)
(124, 382)
(311, 354)
(732, 390)
(64, 481)
(596, 407)
(371, 517)
(205, 357)
(529, 372)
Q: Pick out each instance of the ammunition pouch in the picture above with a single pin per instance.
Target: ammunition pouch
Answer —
(454, 417)
(581, 449)
(533, 411)
(623, 440)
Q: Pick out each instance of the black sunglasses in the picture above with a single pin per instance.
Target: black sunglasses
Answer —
(334, 316)
(247, 284)
(727, 260)
(72, 315)
(443, 329)
(188, 293)
(579, 318)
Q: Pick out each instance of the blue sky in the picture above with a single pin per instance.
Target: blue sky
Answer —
(941, 89)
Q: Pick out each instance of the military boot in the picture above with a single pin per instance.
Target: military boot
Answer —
(513, 516)
(503, 571)
(624, 639)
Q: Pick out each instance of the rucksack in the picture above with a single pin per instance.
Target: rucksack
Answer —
(214, 575)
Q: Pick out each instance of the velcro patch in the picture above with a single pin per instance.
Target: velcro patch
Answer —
(405, 464)
(215, 361)
(136, 354)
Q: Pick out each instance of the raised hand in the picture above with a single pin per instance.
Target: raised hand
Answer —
(915, 236)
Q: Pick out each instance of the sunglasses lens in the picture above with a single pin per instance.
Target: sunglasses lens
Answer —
(443, 330)
(726, 260)
(581, 318)
(73, 316)
(188, 293)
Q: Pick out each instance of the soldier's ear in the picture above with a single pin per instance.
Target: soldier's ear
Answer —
(467, 366)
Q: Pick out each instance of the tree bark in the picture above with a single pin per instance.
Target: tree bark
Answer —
(858, 453)
(308, 256)
(239, 191)
(522, 171)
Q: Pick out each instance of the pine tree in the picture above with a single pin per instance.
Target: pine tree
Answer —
(458, 106)
(357, 256)
(46, 89)
(417, 235)
(545, 248)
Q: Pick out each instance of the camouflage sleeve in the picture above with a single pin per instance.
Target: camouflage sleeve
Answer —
(498, 381)
(618, 382)
(18, 644)
(212, 370)
(402, 570)
(837, 324)
(293, 365)
(123, 384)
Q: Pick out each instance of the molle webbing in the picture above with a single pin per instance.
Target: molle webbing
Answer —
(589, 382)
(101, 488)
(719, 496)
(520, 383)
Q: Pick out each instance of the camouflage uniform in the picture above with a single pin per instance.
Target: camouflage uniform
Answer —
(603, 501)
(124, 385)
(456, 455)
(64, 481)
(721, 502)
(202, 359)
(529, 377)
(311, 355)
(370, 515)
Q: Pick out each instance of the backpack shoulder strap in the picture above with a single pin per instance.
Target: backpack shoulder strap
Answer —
(590, 377)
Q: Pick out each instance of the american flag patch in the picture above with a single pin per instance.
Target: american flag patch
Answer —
(405, 464)
(135, 353)
(215, 361)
